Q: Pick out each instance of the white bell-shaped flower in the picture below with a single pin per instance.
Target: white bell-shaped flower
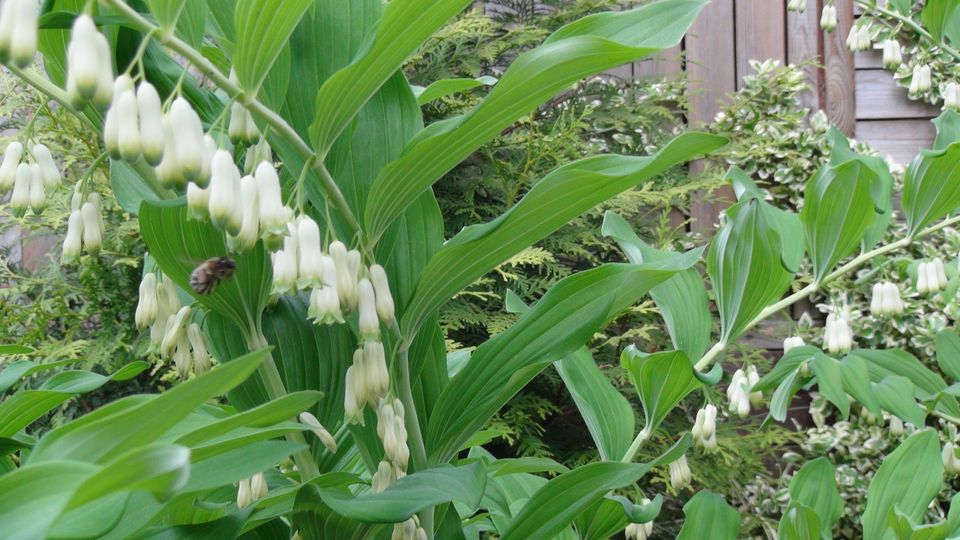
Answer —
(72, 242)
(8, 169)
(837, 336)
(209, 149)
(198, 345)
(921, 80)
(346, 275)
(896, 426)
(756, 398)
(237, 128)
(376, 375)
(273, 215)
(189, 140)
(176, 328)
(20, 198)
(23, 40)
(892, 54)
(168, 171)
(353, 397)
(286, 264)
(38, 195)
(791, 343)
(89, 64)
(250, 209)
(48, 168)
(384, 299)
(258, 487)
(798, 6)
(310, 272)
(383, 478)
(147, 305)
(111, 121)
(828, 18)
(886, 300)
(226, 209)
(680, 475)
(198, 201)
(128, 128)
(705, 428)
(951, 463)
(737, 394)
(951, 95)
(367, 308)
(325, 306)
(150, 110)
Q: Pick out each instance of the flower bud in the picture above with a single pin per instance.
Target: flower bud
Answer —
(201, 357)
(20, 198)
(791, 342)
(250, 217)
(311, 255)
(680, 475)
(896, 426)
(226, 211)
(285, 264)
(48, 169)
(828, 18)
(258, 487)
(198, 201)
(273, 215)
(921, 80)
(23, 41)
(72, 241)
(243, 493)
(381, 286)
(892, 54)
(182, 359)
(237, 129)
(167, 300)
(369, 323)
(83, 59)
(150, 108)
(147, 307)
(176, 327)
(189, 142)
(128, 126)
(798, 6)
(38, 195)
(8, 169)
(325, 437)
(92, 236)
(383, 478)
(951, 96)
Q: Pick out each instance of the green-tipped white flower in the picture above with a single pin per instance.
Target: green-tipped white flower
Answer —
(242, 128)
(20, 198)
(705, 428)
(931, 277)
(128, 126)
(150, 108)
(8, 169)
(89, 64)
(951, 463)
(325, 306)
(250, 210)
(72, 242)
(92, 235)
(285, 264)
(189, 140)
(638, 531)
(381, 286)
(837, 335)
(226, 210)
(182, 357)
(353, 397)
(376, 376)
(383, 478)
(798, 6)
(346, 275)
(198, 345)
(104, 94)
(737, 394)
(310, 272)
(859, 38)
(886, 300)
(251, 490)
(896, 426)
(48, 168)
(198, 201)
(792, 342)
(951, 96)
(756, 398)
(8, 22)
(22, 46)
(147, 306)
(892, 54)
(828, 18)
(680, 475)
(921, 80)
(168, 171)
(367, 308)
(176, 328)
(38, 195)
(111, 122)
(317, 428)
(273, 215)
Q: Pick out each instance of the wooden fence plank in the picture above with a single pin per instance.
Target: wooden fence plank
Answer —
(841, 99)
(666, 63)
(761, 33)
(804, 45)
(900, 139)
(879, 97)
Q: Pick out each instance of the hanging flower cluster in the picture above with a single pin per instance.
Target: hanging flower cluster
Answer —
(133, 126)
(798, 6)
(886, 300)
(705, 428)
(921, 80)
(251, 490)
(892, 54)
(739, 392)
(837, 334)
(828, 18)
(89, 65)
(931, 276)
(791, 343)
(29, 176)
(859, 38)
(639, 531)
(680, 475)
(85, 227)
(18, 31)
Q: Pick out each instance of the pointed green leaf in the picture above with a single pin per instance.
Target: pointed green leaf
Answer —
(783, 395)
(166, 12)
(799, 522)
(815, 487)
(157, 468)
(709, 516)
(20, 369)
(926, 383)
(263, 28)
(788, 363)
(830, 382)
(559, 197)
(856, 382)
(32, 498)
(909, 478)
(931, 184)
(661, 379)
(948, 353)
(895, 394)
(446, 87)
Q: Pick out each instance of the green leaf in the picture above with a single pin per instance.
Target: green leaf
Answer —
(556, 199)
(799, 522)
(788, 363)
(639, 513)
(446, 87)
(559, 324)
(14, 349)
(237, 464)
(909, 478)
(31, 498)
(830, 382)
(926, 383)
(193, 22)
(606, 412)
(787, 224)
(682, 299)
(314, 519)
(895, 394)
(263, 28)
(411, 494)
(856, 382)
(404, 26)
(15, 371)
(709, 516)
(157, 468)
(555, 505)
(815, 487)
(179, 244)
(840, 203)
(937, 15)
(166, 12)
(746, 267)
(269, 413)
(99, 438)
(931, 184)
(582, 48)
(661, 379)
(948, 353)
(783, 395)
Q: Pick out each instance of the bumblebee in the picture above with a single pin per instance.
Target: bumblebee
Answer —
(205, 277)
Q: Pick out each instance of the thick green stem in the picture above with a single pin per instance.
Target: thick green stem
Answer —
(906, 20)
(270, 376)
(258, 109)
(418, 451)
(635, 446)
(853, 264)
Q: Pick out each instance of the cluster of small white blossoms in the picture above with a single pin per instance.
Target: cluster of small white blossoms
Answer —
(739, 392)
(85, 227)
(705, 428)
(892, 54)
(921, 80)
(89, 65)
(837, 334)
(251, 489)
(409, 530)
(798, 6)
(828, 18)
(171, 332)
(29, 176)
(931, 276)
(859, 38)
(792, 342)
(18, 31)
(134, 124)
(680, 475)
(886, 299)
(639, 531)
(951, 463)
